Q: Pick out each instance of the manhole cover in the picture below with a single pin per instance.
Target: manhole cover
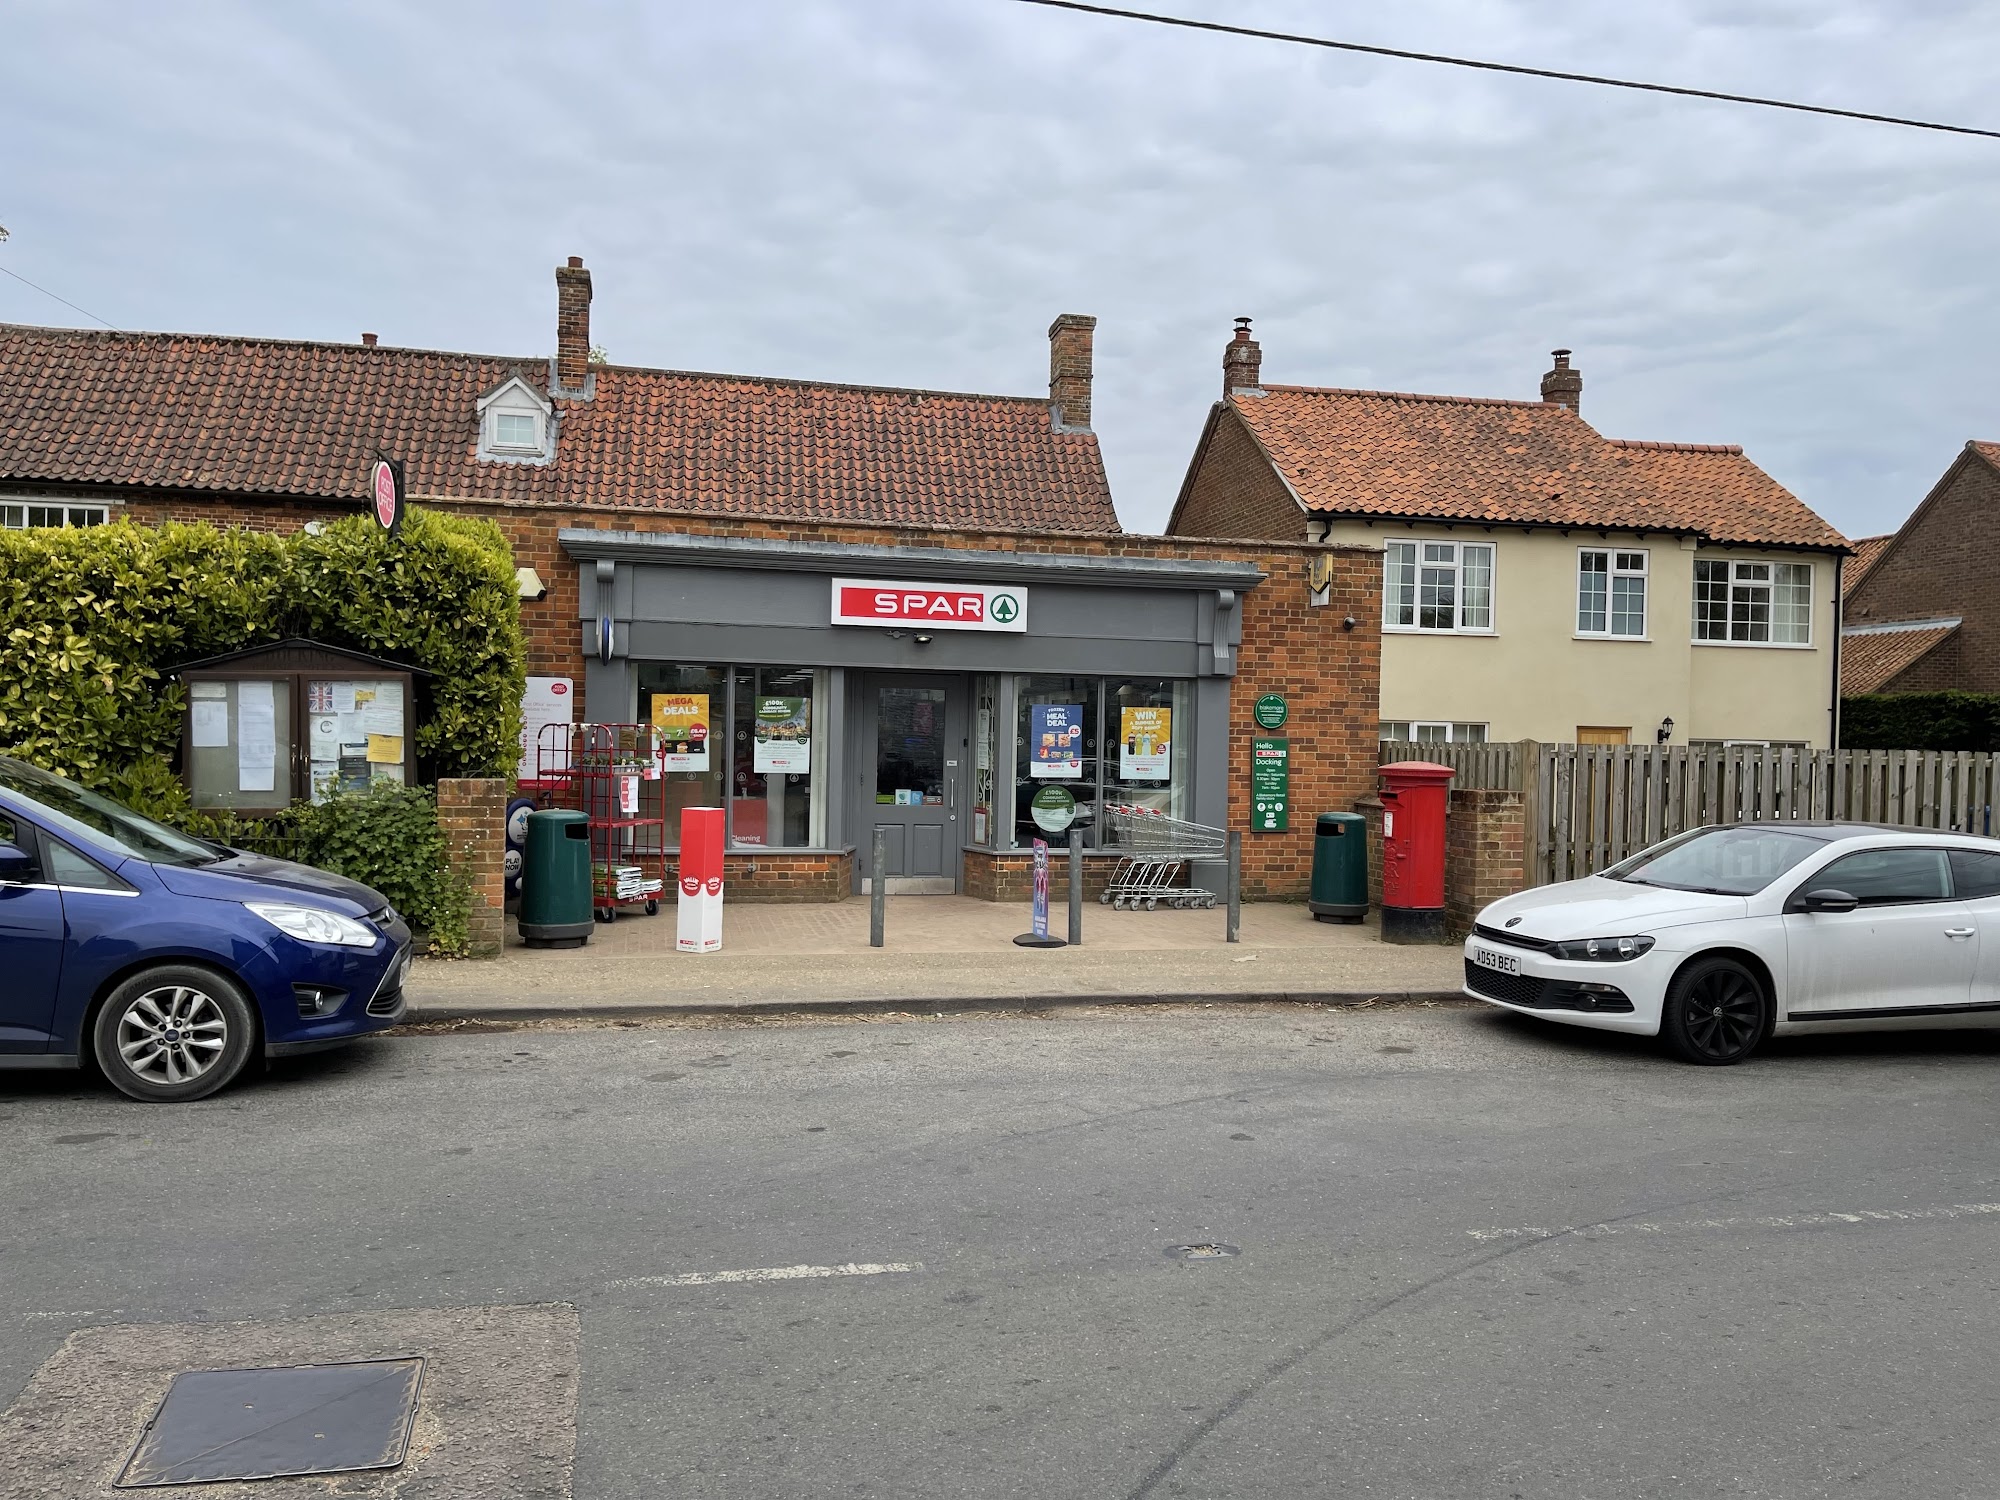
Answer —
(269, 1424)
(1202, 1252)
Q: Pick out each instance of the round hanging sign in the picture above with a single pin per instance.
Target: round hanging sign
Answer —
(385, 493)
(1053, 808)
(1271, 711)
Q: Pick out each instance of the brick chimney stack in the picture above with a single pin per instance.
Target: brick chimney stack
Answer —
(1563, 385)
(368, 341)
(572, 325)
(1242, 362)
(1070, 338)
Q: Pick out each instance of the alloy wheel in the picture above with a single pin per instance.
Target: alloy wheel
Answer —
(172, 1035)
(1725, 1013)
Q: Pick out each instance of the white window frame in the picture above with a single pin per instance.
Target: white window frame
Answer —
(535, 420)
(516, 398)
(1393, 603)
(1616, 565)
(1456, 732)
(1740, 576)
(21, 515)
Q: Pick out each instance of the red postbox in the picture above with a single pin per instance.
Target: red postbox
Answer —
(1413, 804)
(699, 927)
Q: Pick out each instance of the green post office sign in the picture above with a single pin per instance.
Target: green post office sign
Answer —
(1270, 785)
(1271, 711)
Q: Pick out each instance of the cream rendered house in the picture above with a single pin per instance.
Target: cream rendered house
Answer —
(1540, 581)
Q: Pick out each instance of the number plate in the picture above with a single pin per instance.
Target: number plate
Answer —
(1500, 963)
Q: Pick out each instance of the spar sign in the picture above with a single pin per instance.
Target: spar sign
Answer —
(929, 606)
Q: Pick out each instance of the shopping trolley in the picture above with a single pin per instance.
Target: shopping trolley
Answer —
(1154, 850)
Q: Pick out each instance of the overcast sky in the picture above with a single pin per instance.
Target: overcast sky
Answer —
(906, 191)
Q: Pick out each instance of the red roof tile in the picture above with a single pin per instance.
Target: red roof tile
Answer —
(1395, 454)
(1871, 659)
(1868, 551)
(273, 417)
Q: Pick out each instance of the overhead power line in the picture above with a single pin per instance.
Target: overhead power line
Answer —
(63, 300)
(1498, 67)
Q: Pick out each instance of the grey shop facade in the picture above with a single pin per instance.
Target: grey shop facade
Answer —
(964, 701)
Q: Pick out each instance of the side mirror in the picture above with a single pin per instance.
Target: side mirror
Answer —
(14, 863)
(1828, 900)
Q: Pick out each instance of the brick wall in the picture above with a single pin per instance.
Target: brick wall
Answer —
(1011, 876)
(774, 876)
(1946, 562)
(1485, 852)
(472, 812)
(1234, 492)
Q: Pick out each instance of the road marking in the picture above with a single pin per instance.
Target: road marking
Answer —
(1775, 1221)
(773, 1273)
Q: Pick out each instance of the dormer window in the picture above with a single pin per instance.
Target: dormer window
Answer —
(513, 429)
(516, 424)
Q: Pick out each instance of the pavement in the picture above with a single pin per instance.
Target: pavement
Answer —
(1475, 1256)
(940, 952)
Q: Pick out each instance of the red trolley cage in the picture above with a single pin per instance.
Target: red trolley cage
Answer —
(611, 774)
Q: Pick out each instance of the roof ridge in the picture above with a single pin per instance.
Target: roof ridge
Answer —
(379, 350)
(1733, 450)
(1338, 390)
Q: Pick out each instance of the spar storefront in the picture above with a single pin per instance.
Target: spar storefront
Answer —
(964, 701)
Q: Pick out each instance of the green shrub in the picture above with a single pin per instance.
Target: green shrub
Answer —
(1921, 721)
(92, 620)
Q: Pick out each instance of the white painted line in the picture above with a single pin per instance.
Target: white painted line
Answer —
(1777, 1221)
(773, 1273)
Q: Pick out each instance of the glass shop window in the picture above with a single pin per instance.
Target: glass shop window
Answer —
(777, 752)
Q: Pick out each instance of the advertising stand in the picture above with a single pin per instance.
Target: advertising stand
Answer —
(700, 918)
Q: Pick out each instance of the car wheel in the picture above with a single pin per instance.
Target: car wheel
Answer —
(1716, 1012)
(174, 1033)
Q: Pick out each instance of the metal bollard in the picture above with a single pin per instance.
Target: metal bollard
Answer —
(1235, 884)
(878, 887)
(1075, 888)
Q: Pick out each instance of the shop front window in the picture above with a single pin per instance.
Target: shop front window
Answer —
(1058, 731)
(1147, 720)
(985, 747)
(775, 757)
(684, 703)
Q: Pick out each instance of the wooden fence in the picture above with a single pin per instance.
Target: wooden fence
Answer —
(1588, 806)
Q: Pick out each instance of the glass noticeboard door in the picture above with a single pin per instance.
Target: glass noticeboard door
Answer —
(356, 731)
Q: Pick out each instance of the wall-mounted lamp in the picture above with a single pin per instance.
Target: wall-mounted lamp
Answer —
(1665, 732)
(923, 640)
(528, 583)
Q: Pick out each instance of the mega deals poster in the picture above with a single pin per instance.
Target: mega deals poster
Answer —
(682, 722)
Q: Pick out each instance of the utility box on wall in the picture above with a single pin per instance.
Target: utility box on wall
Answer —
(295, 721)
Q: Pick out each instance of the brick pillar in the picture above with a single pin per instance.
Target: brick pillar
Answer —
(1486, 852)
(572, 325)
(472, 812)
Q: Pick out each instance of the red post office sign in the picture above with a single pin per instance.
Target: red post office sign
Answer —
(385, 493)
(930, 606)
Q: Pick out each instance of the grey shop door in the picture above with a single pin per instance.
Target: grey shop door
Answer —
(910, 780)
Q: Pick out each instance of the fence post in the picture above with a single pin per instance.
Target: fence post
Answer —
(1235, 883)
(1075, 888)
(878, 887)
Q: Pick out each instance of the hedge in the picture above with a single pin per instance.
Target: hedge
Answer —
(1921, 721)
(93, 619)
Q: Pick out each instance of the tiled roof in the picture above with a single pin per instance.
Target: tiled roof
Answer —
(1871, 658)
(1868, 551)
(1395, 454)
(272, 417)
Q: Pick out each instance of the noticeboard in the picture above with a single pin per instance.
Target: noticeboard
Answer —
(1270, 785)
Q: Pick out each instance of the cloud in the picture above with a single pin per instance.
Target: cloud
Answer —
(902, 192)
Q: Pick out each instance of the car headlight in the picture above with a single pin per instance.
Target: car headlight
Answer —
(1606, 950)
(310, 924)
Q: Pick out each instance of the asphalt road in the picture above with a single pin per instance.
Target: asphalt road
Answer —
(1479, 1257)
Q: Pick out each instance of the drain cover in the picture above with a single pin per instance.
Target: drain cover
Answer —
(1202, 1252)
(268, 1424)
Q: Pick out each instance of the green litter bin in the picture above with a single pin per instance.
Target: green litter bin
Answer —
(555, 881)
(1340, 868)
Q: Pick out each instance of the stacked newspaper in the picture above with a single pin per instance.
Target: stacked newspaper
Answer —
(628, 882)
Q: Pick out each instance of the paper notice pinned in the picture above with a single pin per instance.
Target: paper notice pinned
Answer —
(210, 723)
(385, 749)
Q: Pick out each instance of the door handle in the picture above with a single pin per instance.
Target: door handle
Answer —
(1959, 932)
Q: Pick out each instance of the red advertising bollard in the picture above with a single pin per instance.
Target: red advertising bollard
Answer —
(1413, 805)
(700, 917)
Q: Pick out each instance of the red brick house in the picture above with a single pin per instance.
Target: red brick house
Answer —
(1923, 603)
(731, 541)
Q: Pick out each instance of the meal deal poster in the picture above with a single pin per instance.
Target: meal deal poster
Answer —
(784, 737)
(1145, 744)
(1055, 741)
(681, 720)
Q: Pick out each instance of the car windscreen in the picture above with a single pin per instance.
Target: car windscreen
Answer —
(1737, 861)
(76, 809)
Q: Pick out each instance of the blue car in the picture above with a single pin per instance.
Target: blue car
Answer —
(168, 961)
